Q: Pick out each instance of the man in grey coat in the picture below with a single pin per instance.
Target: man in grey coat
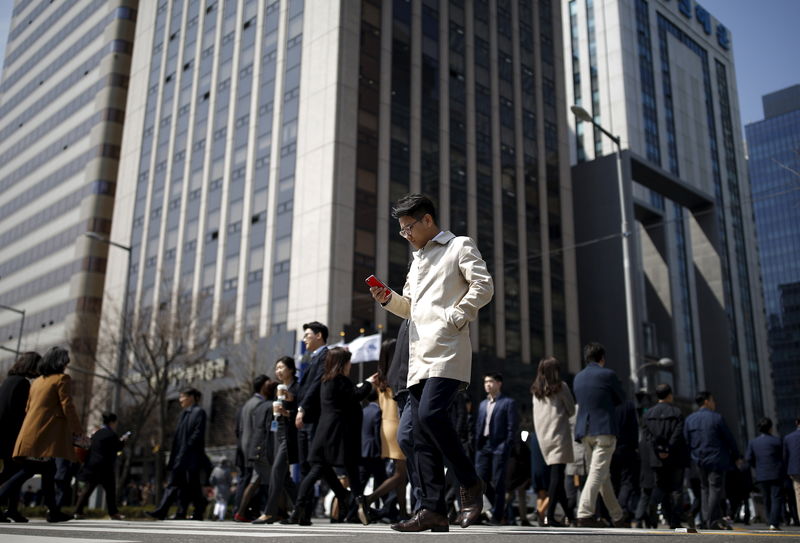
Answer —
(446, 285)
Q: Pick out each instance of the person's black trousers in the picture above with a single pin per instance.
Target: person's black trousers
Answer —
(109, 484)
(279, 482)
(668, 491)
(27, 469)
(491, 468)
(405, 438)
(185, 487)
(773, 500)
(436, 441)
(712, 484)
(557, 491)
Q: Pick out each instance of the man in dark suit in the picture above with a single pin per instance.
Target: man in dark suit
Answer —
(597, 392)
(791, 457)
(667, 454)
(188, 464)
(245, 430)
(99, 466)
(765, 454)
(713, 450)
(315, 337)
(495, 433)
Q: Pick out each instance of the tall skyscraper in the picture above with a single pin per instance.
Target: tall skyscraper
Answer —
(265, 141)
(773, 146)
(62, 106)
(660, 74)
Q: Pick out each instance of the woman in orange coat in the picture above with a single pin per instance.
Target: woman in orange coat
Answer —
(50, 427)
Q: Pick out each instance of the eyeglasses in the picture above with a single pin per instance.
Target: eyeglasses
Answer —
(406, 230)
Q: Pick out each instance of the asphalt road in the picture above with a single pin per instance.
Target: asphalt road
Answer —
(99, 531)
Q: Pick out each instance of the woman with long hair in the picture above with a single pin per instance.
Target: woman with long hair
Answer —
(337, 441)
(553, 405)
(285, 440)
(51, 425)
(390, 419)
(13, 399)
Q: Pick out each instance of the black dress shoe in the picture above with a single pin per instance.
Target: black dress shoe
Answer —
(298, 516)
(589, 522)
(550, 522)
(155, 515)
(422, 521)
(58, 516)
(3, 517)
(471, 504)
(16, 516)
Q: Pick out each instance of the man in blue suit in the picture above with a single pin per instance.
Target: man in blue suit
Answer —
(597, 393)
(791, 457)
(495, 432)
(713, 450)
(765, 454)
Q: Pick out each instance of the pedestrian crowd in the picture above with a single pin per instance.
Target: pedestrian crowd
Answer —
(592, 456)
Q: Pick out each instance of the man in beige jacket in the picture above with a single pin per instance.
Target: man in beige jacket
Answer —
(446, 285)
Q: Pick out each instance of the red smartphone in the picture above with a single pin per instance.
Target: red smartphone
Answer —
(373, 281)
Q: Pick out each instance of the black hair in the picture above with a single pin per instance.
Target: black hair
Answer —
(288, 361)
(258, 383)
(193, 392)
(26, 365)
(54, 361)
(414, 205)
(663, 390)
(764, 425)
(317, 328)
(384, 361)
(494, 375)
(702, 397)
(594, 352)
(373, 395)
(109, 417)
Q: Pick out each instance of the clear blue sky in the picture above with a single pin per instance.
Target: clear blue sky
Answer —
(766, 45)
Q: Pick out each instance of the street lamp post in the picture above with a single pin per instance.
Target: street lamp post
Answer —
(123, 344)
(633, 353)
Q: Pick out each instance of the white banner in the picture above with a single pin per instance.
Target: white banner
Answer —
(365, 348)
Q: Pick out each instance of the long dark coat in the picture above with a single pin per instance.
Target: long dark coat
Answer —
(189, 443)
(13, 399)
(339, 429)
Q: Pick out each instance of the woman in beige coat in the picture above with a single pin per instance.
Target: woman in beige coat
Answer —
(50, 427)
(553, 405)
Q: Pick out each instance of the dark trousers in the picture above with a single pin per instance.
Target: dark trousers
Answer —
(374, 468)
(304, 438)
(109, 485)
(10, 468)
(712, 484)
(624, 475)
(185, 488)
(668, 491)
(325, 472)
(280, 483)
(26, 470)
(405, 439)
(773, 500)
(436, 441)
(491, 468)
(557, 492)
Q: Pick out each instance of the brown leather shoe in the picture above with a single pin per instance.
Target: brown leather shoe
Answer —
(589, 522)
(423, 520)
(471, 504)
